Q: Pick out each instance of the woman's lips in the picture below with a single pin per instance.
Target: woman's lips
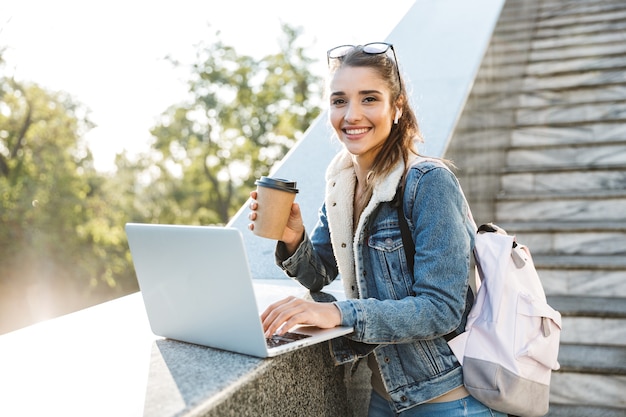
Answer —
(356, 131)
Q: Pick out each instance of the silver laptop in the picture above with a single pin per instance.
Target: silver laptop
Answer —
(197, 288)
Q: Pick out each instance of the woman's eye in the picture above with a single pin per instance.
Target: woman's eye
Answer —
(369, 99)
(337, 102)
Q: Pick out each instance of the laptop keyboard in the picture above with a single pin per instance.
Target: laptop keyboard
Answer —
(288, 337)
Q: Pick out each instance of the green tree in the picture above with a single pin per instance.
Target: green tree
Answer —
(243, 116)
(62, 240)
(58, 228)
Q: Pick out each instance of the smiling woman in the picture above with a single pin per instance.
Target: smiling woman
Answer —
(401, 312)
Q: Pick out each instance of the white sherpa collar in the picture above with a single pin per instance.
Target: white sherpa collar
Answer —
(339, 197)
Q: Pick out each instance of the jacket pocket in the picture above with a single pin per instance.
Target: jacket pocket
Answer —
(389, 262)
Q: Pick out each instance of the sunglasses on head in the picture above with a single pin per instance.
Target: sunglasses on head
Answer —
(374, 48)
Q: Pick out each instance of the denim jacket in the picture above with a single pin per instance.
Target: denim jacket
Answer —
(400, 315)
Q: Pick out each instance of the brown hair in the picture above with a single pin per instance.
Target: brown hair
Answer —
(404, 135)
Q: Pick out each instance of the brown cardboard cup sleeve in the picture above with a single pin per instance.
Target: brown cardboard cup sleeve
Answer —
(274, 198)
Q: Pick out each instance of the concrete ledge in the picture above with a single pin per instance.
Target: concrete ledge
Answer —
(105, 361)
(193, 380)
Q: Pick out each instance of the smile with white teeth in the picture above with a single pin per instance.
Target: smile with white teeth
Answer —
(356, 131)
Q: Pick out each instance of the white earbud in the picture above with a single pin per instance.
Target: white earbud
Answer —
(398, 114)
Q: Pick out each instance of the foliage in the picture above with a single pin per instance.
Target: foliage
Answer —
(56, 233)
(243, 116)
(62, 241)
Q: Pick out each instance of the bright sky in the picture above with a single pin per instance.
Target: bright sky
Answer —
(110, 55)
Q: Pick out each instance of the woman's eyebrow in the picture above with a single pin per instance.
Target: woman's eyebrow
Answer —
(362, 92)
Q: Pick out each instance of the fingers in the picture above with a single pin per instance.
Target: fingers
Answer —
(291, 311)
(275, 317)
(253, 206)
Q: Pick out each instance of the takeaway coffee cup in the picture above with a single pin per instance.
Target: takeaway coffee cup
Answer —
(274, 197)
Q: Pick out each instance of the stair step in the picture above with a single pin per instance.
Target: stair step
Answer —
(574, 167)
(579, 306)
(574, 113)
(497, 102)
(583, 79)
(588, 391)
(511, 81)
(574, 156)
(572, 65)
(560, 410)
(551, 135)
(576, 12)
(557, 116)
(591, 280)
(555, 44)
(502, 53)
(481, 141)
(564, 181)
(593, 359)
(607, 205)
(577, 51)
(568, 243)
(603, 331)
(595, 240)
(611, 22)
(591, 243)
(595, 194)
(559, 226)
(578, 262)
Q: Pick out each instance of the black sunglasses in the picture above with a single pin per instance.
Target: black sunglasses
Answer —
(373, 48)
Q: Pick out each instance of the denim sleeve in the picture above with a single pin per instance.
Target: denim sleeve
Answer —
(437, 216)
(313, 263)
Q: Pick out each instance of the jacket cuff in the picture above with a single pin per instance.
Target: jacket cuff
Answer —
(287, 263)
(348, 313)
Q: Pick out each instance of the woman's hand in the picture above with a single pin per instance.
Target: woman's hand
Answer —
(294, 231)
(291, 311)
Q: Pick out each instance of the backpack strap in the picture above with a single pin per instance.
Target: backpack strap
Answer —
(409, 248)
(407, 240)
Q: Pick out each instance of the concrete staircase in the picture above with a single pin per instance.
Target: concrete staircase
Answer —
(541, 151)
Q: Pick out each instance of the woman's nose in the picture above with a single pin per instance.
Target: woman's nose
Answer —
(353, 113)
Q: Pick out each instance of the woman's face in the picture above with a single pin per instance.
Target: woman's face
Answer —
(360, 111)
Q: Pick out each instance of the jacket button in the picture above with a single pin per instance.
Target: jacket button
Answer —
(388, 242)
(387, 360)
(404, 398)
(343, 245)
(334, 204)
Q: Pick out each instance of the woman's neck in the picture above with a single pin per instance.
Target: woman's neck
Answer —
(361, 169)
(361, 192)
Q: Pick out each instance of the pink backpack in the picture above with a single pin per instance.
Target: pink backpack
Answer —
(511, 341)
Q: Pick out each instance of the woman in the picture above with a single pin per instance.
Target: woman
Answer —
(401, 317)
